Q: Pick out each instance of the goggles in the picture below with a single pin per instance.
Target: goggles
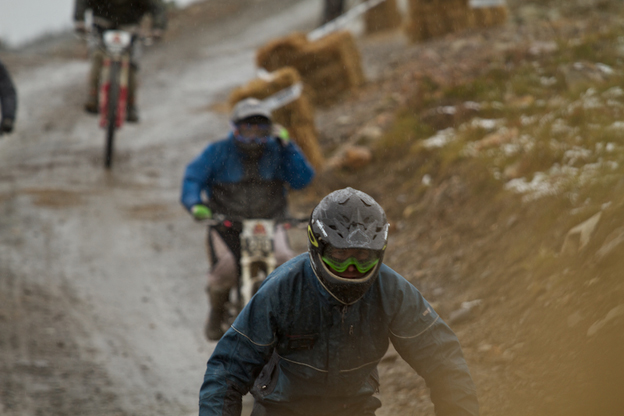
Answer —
(339, 259)
(253, 132)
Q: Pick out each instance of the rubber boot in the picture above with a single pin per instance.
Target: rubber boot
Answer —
(92, 104)
(132, 112)
(218, 299)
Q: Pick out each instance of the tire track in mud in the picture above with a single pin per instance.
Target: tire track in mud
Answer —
(102, 274)
(79, 284)
(42, 365)
(48, 372)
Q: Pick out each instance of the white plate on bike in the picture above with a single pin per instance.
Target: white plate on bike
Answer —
(117, 39)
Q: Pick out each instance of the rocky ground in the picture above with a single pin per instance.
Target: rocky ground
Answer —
(497, 154)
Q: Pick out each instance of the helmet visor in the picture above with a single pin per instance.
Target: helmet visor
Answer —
(254, 130)
(339, 259)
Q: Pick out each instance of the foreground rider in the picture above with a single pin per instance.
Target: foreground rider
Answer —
(8, 101)
(124, 15)
(309, 342)
(245, 175)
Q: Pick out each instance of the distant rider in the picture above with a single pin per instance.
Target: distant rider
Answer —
(118, 14)
(310, 340)
(8, 101)
(246, 175)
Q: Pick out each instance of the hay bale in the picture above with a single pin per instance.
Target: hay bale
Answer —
(384, 16)
(262, 88)
(329, 66)
(458, 16)
(484, 17)
(297, 116)
(434, 18)
(281, 52)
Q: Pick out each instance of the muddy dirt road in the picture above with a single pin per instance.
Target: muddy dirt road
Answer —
(102, 274)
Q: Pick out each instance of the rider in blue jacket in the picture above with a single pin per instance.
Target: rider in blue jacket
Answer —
(309, 342)
(246, 175)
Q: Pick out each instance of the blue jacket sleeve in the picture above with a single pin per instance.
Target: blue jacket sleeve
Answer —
(433, 350)
(297, 170)
(197, 177)
(238, 358)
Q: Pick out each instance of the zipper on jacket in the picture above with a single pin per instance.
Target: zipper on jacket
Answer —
(344, 312)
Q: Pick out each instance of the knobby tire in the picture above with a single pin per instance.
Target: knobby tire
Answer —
(111, 113)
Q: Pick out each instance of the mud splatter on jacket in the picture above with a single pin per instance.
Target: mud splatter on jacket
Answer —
(240, 187)
(8, 96)
(322, 355)
(122, 12)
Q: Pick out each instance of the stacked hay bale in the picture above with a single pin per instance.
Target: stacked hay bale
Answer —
(329, 66)
(434, 18)
(297, 116)
(487, 13)
(384, 16)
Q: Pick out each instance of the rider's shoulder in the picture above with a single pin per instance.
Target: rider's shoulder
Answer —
(224, 142)
(392, 280)
(223, 146)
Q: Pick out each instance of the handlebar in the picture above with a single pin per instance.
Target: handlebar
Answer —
(230, 221)
(295, 222)
(90, 33)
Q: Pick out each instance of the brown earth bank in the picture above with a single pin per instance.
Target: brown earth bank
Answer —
(538, 306)
(543, 327)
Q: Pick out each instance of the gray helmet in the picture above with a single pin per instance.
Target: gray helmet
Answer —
(250, 107)
(346, 219)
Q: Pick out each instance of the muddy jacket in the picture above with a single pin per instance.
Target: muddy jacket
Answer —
(8, 97)
(241, 187)
(319, 357)
(115, 13)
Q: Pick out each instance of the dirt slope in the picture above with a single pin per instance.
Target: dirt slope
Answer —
(495, 148)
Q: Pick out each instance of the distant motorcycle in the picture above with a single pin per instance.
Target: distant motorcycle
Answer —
(113, 94)
(257, 257)
(117, 46)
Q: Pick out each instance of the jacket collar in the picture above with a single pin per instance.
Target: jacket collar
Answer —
(318, 284)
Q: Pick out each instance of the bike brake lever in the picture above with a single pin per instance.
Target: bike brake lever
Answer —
(216, 219)
(296, 223)
(219, 217)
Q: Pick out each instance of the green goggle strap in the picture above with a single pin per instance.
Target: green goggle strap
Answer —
(342, 266)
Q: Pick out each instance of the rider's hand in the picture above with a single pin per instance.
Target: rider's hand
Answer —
(6, 126)
(201, 212)
(281, 134)
(80, 27)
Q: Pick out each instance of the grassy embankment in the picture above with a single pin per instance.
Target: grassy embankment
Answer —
(485, 180)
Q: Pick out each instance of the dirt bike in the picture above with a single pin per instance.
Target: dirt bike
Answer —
(257, 255)
(113, 95)
(117, 47)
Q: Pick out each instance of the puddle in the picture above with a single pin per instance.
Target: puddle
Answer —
(54, 198)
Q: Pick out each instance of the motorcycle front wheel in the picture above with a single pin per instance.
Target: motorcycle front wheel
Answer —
(111, 112)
